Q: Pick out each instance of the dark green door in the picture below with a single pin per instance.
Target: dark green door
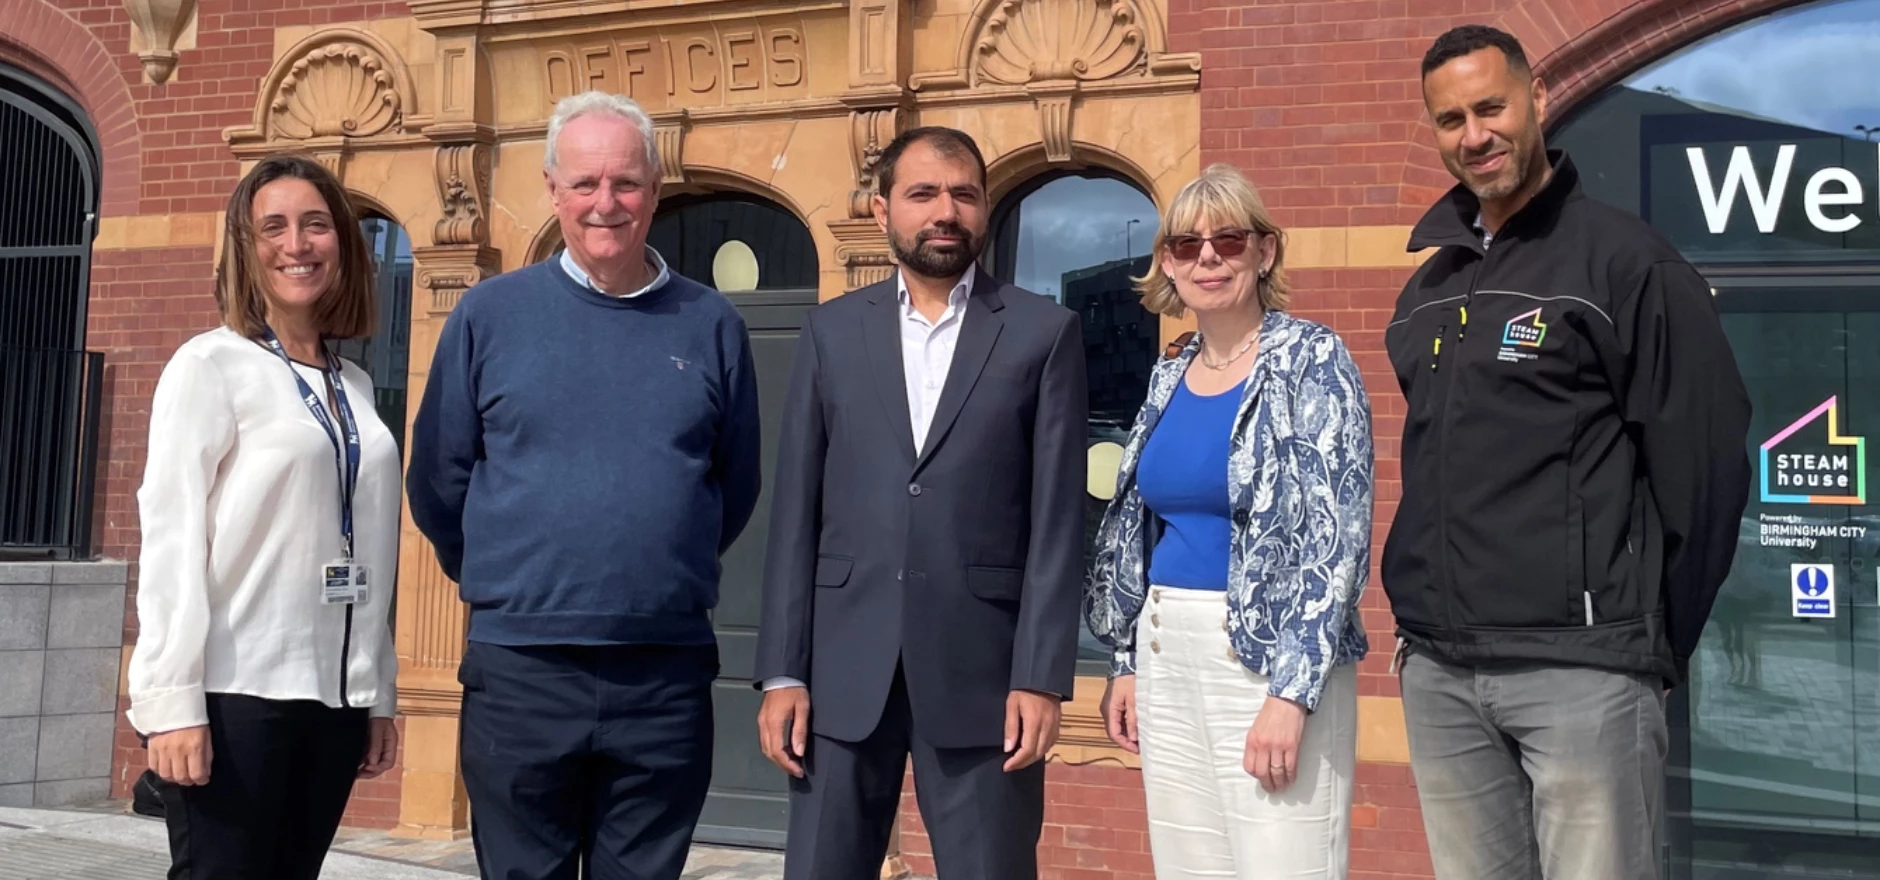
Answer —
(763, 256)
(746, 806)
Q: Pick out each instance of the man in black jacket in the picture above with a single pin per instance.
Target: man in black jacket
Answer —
(1574, 468)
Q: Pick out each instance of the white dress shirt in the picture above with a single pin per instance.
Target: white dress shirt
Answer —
(926, 357)
(927, 352)
(653, 261)
(240, 506)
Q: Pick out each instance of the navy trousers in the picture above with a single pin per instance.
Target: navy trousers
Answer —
(984, 823)
(586, 761)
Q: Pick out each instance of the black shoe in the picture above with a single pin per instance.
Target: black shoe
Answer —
(146, 797)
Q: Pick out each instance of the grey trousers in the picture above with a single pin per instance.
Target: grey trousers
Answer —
(1537, 771)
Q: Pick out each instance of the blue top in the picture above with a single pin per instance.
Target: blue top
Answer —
(1183, 480)
(580, 461)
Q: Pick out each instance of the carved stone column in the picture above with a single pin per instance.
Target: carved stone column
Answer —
(863, 250)
(432, 621)
(880, 54)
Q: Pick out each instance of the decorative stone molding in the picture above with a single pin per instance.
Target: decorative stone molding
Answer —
(449, 270)
(1027, 41)
(1022, 42)
(870, 131)
(158, 30)
(339, 83)
(863, 251)
(1054, 119)
(463, 188)
(669, 131)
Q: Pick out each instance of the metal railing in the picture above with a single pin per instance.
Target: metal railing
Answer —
(51, 406)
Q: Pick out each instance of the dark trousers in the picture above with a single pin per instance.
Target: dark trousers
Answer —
(586, 760)
(279, 778)
(983, 822)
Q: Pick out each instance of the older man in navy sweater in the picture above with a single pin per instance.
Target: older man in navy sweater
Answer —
(586, 449)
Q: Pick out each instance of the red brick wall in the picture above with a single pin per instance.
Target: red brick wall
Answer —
(1094, 826)
(163, 154)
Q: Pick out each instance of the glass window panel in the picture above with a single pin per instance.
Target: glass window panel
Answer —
(1728, 147)
(1776, 109)
(1079, 239)
(387, 352)
(723, 241)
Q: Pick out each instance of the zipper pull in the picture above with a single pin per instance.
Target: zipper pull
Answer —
(1436, 347)
(1463, 329)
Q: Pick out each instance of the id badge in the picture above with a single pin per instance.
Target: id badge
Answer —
(344, 583)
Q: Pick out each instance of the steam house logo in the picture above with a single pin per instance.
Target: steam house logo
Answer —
(1798, 467)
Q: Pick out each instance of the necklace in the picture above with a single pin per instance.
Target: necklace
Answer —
(1230, 361)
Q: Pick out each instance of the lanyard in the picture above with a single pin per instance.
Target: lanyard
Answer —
(345, 445)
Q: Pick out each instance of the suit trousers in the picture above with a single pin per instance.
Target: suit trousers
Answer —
(983, 822)
(1536, 771)
(1208, 817)
(587, 761)
(280, 774)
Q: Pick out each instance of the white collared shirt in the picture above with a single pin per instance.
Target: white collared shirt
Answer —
(653, 260)
(926, 357)
(927, 352)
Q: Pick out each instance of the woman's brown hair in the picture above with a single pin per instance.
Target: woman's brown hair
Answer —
(346, 309)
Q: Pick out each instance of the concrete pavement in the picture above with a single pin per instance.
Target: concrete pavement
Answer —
(109, 843)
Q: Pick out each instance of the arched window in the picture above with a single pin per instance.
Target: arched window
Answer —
(732, 241)
(1720, 145)
(1756, 152)
(735, 242)
(50, 387)
(1079, 238)
(387, 353)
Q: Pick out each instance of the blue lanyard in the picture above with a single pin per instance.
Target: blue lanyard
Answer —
(345, 443)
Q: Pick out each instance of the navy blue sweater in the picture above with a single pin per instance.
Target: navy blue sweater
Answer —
(581, 461)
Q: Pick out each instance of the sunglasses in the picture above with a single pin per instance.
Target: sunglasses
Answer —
(1227, 243)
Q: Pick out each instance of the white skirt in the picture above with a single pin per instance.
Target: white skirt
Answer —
(1208, 817)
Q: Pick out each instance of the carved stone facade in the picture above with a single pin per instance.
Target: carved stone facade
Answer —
(439, 121)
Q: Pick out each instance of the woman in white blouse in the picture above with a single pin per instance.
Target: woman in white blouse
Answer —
(263, 672)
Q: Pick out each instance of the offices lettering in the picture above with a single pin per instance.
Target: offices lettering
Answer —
(692, 69)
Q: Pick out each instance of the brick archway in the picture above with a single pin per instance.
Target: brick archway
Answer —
(49, 44)
(1583, 46)
(1578, 67)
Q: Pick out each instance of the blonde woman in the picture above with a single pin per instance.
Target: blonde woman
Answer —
(263, 671)
(1230, 562)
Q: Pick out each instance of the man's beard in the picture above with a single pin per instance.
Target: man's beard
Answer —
(1509, 182)
(929, 262)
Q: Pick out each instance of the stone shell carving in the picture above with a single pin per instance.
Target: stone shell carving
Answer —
(338, 83)
(1095, 43)
(1026, 41)
(338, 90)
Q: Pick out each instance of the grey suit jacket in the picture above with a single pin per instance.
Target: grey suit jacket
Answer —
(962, 562)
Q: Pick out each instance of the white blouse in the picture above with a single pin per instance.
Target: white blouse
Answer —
(240, 507)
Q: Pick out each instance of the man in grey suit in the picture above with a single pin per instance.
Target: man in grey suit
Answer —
(926, 547)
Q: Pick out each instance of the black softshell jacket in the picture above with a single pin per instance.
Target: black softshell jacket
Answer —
(1574, 460)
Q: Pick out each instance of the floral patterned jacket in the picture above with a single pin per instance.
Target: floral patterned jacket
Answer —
(1300, 485)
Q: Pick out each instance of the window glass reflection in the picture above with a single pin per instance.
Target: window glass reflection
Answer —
(1079, 239)
(1758, 144)
(1757, 153)
(387, 353)
(735, 242)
